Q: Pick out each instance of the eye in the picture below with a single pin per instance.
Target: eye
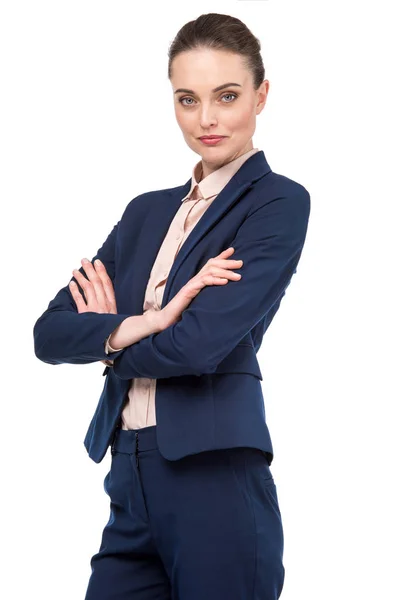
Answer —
(181, 100)
(230, 94)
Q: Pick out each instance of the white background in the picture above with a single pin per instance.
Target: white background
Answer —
(87, 124)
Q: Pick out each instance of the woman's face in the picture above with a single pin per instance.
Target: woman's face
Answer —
(201, 110)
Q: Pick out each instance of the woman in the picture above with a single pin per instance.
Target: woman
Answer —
(194, 507)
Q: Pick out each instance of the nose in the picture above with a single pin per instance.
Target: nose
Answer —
(208, 117)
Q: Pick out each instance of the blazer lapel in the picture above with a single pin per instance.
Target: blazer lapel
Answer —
(159, 218)
(152, 232)
(253, 169)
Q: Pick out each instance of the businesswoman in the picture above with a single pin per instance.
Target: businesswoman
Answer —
(176, 303)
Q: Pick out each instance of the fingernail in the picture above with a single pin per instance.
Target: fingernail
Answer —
(97, 262)
(85, 260)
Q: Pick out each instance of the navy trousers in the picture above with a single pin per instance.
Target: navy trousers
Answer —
(205, 527)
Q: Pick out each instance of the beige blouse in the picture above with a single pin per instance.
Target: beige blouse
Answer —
(139, 410)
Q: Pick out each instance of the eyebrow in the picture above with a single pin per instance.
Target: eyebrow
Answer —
(217, 89)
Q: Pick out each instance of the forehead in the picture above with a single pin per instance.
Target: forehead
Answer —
(207, 68)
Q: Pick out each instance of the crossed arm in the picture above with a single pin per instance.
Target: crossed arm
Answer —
(62, 335)
(270, 243)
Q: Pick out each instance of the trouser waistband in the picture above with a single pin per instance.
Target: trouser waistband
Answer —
(135, 440)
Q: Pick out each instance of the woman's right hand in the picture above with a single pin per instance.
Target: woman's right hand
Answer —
(216, 271)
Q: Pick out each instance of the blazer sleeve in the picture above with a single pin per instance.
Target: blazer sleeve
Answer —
(62, 335)
(270, 243)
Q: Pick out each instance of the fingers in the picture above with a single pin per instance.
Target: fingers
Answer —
(93, 287)
(227, 252)
(221, 272)
(234, 264)
(221, 264)
(95, 281)
(97, 288)
(107, 285)
(88, 289)
(79, 301)
(221, 259)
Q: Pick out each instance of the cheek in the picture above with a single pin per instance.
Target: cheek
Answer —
(184, 120)
(242, 119)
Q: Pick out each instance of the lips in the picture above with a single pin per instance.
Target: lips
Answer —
(212, 137)
(212, 140)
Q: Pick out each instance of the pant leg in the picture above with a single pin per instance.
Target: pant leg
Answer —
(127, 565)
(217, 524)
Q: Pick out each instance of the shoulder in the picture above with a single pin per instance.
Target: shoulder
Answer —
(276, 192)
(276, 183)
(145, 200)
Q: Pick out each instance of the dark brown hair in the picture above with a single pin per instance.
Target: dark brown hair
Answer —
(220, 32)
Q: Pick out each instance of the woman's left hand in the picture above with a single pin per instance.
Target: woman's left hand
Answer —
(99, 291)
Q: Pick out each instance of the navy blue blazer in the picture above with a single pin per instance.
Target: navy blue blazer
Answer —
(208, 393)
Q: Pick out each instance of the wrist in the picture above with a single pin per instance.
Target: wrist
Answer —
(154, 320)
(117, 337)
